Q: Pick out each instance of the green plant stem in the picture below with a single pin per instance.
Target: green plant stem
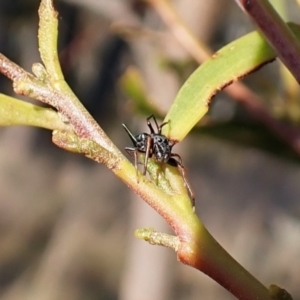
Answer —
(165, 203)
(69, 105)
(198, 249)
(277, 33)
(194, 244)
(47, 36)
(204, 253)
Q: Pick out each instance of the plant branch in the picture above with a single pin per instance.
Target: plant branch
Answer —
(196, 247)
(88, 138)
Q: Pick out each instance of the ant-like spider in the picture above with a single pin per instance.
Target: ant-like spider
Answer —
(158, 146)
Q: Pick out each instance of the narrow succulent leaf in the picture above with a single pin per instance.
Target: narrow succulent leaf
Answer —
(229, 64)
(17, 112)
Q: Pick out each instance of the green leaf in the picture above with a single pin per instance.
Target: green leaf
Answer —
(229, 64)
(17, 112)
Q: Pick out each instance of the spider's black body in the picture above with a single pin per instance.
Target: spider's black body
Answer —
(157, 146)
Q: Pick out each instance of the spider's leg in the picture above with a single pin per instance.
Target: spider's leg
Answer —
(132, 137)
(176, 160)
(150, 125)
(187, 184)
(158, 128)
(133, 152)
(148, 153)
(161, 126)
(130, 150)
(178, 163)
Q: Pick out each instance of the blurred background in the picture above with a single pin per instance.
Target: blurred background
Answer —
(67, 223)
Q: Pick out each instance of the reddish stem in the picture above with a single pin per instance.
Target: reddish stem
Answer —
(276, 32)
